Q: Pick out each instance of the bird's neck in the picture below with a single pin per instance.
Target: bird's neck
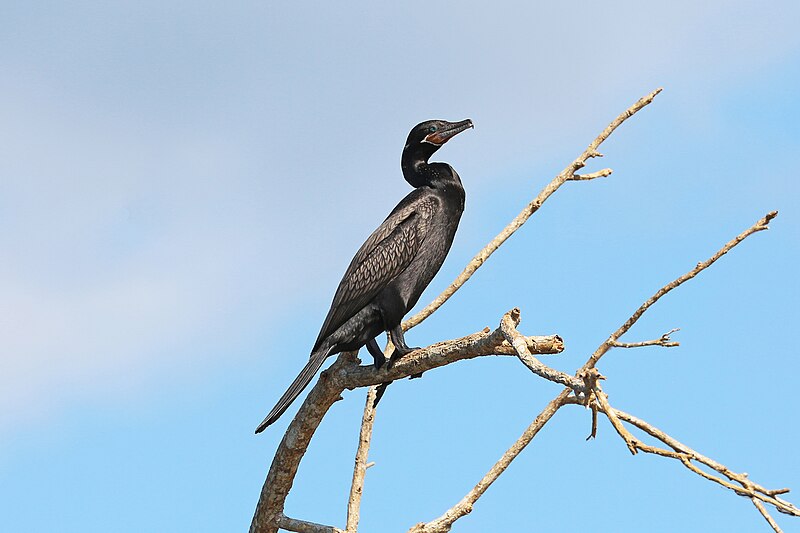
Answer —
(416, 172)
(415, 166)
(420, 173)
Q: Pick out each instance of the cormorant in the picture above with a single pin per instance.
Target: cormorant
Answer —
(395, 264)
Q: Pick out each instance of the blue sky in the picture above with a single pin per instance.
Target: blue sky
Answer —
(184, 183)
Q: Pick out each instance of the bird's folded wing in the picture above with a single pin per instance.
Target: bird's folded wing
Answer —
(385, 254)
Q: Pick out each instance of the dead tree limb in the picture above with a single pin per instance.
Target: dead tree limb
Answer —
(664, 340)
(301, 526)
(360, 468)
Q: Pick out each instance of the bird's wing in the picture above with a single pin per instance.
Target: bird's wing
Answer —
(385, 254)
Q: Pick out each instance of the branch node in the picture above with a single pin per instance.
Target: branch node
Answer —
(594, 175)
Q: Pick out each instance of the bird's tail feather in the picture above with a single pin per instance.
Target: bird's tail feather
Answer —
(297, 386)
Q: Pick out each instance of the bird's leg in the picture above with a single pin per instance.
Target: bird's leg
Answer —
(399, 341)
(376, 353)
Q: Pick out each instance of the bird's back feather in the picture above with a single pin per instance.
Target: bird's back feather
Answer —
(383, 256)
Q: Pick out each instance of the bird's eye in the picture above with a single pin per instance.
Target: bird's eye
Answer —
(432, 129)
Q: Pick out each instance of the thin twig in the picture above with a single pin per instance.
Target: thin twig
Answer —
(606, 172)
(664, 341)
(602, 400)
(642, 344)
(760, 225)
(563, 176)
(360, 468)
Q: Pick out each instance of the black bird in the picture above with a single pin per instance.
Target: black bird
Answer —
(395, 264)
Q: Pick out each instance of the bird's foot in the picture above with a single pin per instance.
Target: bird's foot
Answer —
(400, 347)
(402, 351)
(398, 353)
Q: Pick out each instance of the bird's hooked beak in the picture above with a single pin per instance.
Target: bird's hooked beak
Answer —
(448, 131)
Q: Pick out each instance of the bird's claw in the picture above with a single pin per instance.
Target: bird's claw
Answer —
(398, 353)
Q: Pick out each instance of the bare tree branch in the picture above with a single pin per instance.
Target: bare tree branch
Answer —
(602, 399)
(664, 341)
(761, 225)
(606, 172)
(301, 526)
(360, 468)
(765, 514)
(563, 176)
(443, 353)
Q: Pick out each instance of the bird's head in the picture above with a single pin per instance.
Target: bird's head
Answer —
(425, 138)
(430, 135)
